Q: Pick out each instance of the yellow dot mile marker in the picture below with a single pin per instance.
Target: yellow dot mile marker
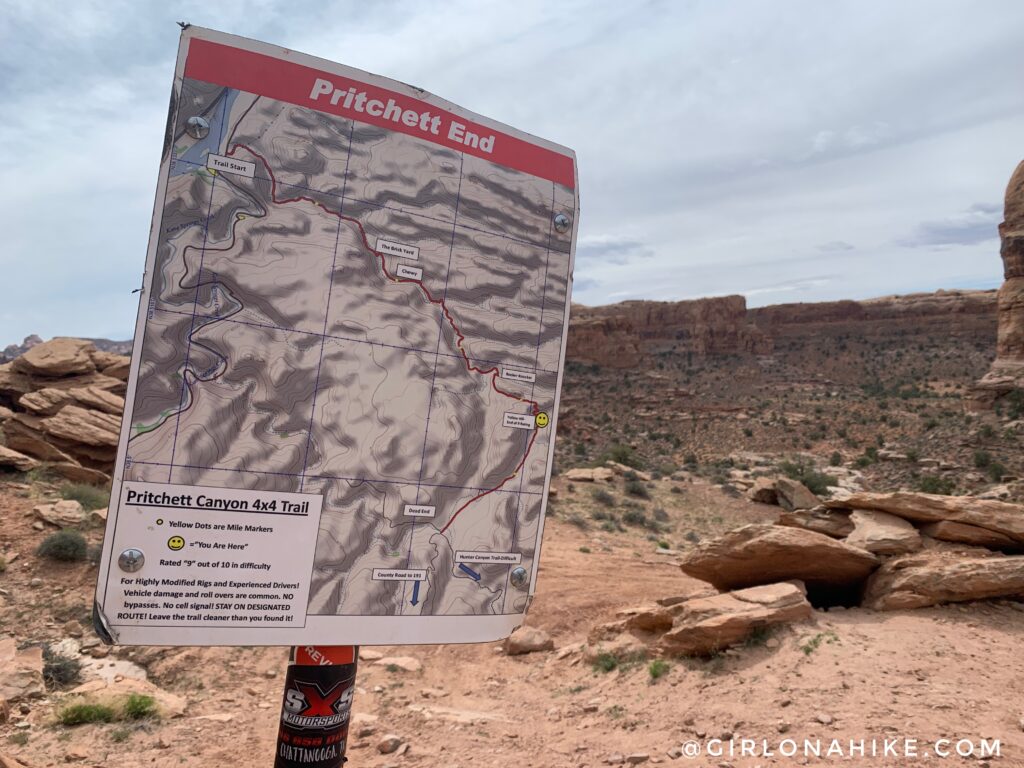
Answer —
(542, 419)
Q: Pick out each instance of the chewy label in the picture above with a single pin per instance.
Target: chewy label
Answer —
(412, 273)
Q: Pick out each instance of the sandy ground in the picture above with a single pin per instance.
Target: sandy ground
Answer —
(945, 673)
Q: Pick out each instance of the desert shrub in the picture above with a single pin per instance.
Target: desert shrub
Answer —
(585, 550)
(996, 471)
(816, 482)
(836, 459)
(638, 489)
(67, 546)
(79, 714)
(658, 668)
(578, 520)
(936, 484)
(623, 454)
(89, 496)
(605, 662)
(139, 706)
(982, 459)
(60, 671)
(692, 536)
(603, 497)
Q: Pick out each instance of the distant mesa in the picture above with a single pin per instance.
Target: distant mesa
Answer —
(629, 334)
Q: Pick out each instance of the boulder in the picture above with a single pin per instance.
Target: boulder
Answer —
(76, 473)
(916, 581)
(795, 495)
(14, 460)
(587, 475)
(832, 522)
(57, 357)
(14, 384)
(947, 530)
(21, 671)
(765, 554)
(6, 761)
(528, 640)
(999, 516)
(82, 426)
(882, 533)
(64, 513)
(706, 625)
(24, 433)
(623, 469)
(118, 370)
(763, 491)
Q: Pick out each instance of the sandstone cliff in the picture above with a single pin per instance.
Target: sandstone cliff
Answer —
(622, 335)
(1007, 372)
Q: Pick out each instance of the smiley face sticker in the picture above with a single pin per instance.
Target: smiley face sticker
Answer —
(543, 419)
(175, 543)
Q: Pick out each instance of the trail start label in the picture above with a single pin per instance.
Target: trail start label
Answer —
(340, 419)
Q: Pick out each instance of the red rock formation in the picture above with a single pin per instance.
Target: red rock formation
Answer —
(1007, 372)
(620, 335)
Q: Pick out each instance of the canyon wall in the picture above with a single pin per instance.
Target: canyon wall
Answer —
(622, 335)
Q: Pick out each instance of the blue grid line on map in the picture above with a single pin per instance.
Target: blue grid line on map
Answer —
(369, 480)
(269, 326)
(533, 384)
(384, 206)
(433, 375)
(195, 301)
(327, 314)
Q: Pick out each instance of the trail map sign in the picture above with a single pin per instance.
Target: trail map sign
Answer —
(341, 412)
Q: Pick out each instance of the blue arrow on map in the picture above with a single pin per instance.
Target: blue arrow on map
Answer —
(415, 593)
(469, 572)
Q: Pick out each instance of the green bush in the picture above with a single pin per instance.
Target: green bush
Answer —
(658, 668)
(79, 714)
(603, 497)
(89, 496)
(836, 459)
(605, 662)
(936, 484)
(623, 454)
(816, 482)
(638, 489)
(67, 546)
(140, 707)
(982, 459)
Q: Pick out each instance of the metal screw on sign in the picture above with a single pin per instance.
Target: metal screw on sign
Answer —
(197, 127)
(518, 577)
(562, 222)
(131, 560)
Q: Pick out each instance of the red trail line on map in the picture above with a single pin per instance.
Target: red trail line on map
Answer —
(492, 371)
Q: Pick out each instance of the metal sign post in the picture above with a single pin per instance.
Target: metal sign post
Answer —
(315, 714)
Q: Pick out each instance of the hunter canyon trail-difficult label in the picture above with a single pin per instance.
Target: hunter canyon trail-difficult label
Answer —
(212, 557)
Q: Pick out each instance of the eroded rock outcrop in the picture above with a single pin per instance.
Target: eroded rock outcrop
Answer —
(920, 580)
(62, 402)
(1007, 372)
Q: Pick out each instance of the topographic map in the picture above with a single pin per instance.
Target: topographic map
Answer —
(336, 307)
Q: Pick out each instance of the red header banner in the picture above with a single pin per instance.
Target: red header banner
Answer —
(284, 80)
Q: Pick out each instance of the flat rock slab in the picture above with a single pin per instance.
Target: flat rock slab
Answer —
(116, 692)
(766, 554)
(961, 533)
(882, 533)
(831, 522)
(999, 516)
(916, 581)
(708, 624)
(21, 672)
(584, 475)
(57, 357)
(16, 460)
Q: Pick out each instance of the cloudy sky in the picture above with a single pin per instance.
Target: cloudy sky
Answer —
(787, 151)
